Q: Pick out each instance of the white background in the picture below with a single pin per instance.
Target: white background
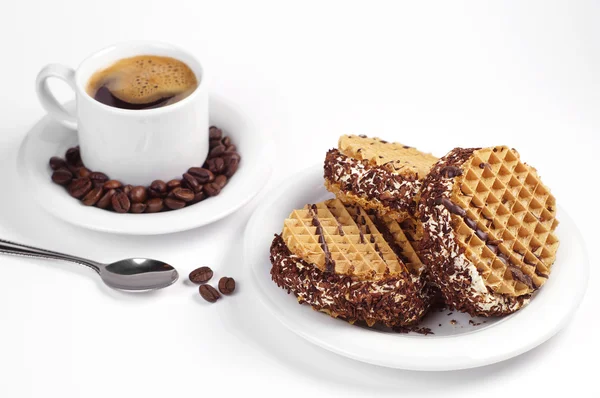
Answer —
(430, 74)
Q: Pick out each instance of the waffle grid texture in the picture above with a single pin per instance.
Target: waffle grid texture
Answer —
(376, 275)
(488, 230)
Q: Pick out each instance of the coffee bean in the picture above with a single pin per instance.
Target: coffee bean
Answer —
(106, 200)
(57, 163)
(226, 141)
(112, 184)
(158, 189)
(199, 197)
(209, 293)
(226, 285)
(174, 203)
(221, 181)
(93, 196)
(62, 177)
(73, 157)
(215, 165)
(201, 275)
(127, 189)
(191, 182)
(213, 143)
(120, 202)
(96, 176)
(79, 187)
(216, 151)
(84, 172)
(173, 184)
(138, 194)
(212, 189)
(232, 167)
(183, 194)
(215, 133)
(73, 169)
(230, 149)
(138, 207)
(154, 205)
(202, 175)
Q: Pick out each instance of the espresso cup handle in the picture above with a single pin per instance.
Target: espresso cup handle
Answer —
(48, 100)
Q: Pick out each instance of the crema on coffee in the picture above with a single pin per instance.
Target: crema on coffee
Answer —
(142, 82)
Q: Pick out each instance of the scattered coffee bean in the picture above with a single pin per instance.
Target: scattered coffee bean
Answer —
(221, 181)
(73, 157)
(138, 207)
(226, 141)
(138, 194)
(209, 293)
(212, 189)
(191, 182)
(154, 205)
(216, 151)
(213, 143)
(215, 133)
(173, 203)
(106, 200)
(230, 149)
(215, 165)
(158, 189)
(79, 187)
(201, 275)
(98, 177)
(112, 184)
(183, 194)
(202, 175)
(120, 202)
(173, 184)
(62, 177)
(127, 189)
(93, 196)
(226, 285)
(57, 163)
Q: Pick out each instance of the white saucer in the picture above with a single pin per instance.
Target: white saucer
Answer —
(458, 345)
(47, 139)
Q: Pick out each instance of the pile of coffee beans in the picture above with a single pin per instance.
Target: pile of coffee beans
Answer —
(94, 188)
(209, 293)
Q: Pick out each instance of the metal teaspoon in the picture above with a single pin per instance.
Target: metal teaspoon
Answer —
(129, 274)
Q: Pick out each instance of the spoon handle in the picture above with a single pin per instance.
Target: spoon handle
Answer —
(18, 249)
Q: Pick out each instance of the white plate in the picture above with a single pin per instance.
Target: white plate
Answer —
(47, 139)
(452, 346)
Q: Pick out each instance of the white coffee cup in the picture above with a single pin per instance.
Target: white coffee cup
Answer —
(132, 146)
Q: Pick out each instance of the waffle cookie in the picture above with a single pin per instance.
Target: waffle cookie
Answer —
(350, 264)
(376, 174)
(488, 225)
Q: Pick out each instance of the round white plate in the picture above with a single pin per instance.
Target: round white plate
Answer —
(47, 139)
(456, 343)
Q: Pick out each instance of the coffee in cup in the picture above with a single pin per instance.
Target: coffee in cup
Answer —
(142, 82)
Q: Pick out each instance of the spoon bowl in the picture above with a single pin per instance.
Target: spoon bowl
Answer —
(138, 274)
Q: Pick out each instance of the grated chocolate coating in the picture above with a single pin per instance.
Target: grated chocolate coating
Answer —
(392, 301)
(372, 187)
(458, 279)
